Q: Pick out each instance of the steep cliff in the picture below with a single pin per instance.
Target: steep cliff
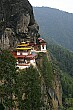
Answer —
(17, 22)
(51, 89)
(36, 88)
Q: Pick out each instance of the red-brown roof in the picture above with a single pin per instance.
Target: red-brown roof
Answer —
(39, 39)
(42, 41)
(30, 56)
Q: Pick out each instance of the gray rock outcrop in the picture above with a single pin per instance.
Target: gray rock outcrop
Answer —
(17, 22)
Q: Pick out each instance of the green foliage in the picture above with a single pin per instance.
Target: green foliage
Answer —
(63, 63)
(7, 64)
(7, 76)
(45, 68)
(47, 71)
(67, 85)
(69, 102)
(19, 89)
(70, 108)
(29, 85)
(64, 58)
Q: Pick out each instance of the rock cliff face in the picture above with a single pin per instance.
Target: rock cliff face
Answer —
(17, 22)
(51, 94)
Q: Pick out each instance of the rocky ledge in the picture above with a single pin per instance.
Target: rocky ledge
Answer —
(16, 22)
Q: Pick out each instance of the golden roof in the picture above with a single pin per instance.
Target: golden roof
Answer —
(27, 48)
(23, 45)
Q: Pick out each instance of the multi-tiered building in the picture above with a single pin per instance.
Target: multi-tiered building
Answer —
(26, 53)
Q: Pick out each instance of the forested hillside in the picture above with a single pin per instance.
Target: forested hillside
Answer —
(62, 61)
(30, 88)
(39, 87)
(55, 24)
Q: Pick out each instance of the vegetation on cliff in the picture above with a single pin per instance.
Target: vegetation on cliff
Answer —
(18, 89)
(22, 89)
(63, 63)
(45, 68)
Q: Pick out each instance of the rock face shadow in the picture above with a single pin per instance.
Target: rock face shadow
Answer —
(17, 22)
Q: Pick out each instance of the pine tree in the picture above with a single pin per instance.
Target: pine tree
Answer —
(7, 77)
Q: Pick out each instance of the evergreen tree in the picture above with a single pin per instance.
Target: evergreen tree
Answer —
(7, 77)
(28, 89)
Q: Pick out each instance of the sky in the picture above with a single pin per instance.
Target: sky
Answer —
(65, 5)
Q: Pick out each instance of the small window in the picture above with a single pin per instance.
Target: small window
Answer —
(43, 46)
